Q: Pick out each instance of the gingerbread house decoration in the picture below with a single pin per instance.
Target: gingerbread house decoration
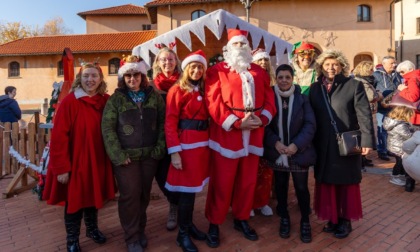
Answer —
(208, 33)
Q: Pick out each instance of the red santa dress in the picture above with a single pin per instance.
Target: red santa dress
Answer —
(77, 147)
(191, 144)
(235, 152)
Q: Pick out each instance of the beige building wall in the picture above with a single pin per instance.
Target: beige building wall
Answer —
(327, 24)
(110, 24)
(38, 73)
(407, 39)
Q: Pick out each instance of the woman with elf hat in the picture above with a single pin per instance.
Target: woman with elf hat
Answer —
(265, 174)
(187, 138)
(133, 130)
(80, 173)
(303, 63)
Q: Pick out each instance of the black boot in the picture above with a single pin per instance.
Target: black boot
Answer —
(284, 230)
(185, 213)
(213, 236)
(343, 229)
(72, 223)
(329, 227)
(91, 222)
(243, 226)
(305, 232)
(184, 241)
(409, 184)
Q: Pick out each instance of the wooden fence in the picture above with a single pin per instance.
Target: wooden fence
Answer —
(29, 143)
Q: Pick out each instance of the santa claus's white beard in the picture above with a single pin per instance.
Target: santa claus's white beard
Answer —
(238, 58)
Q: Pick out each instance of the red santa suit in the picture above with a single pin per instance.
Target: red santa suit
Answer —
(77, 147)
(235, 152)
(191, 144)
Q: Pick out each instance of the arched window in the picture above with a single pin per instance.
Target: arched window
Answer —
(60, 69)
(361, 57)
(14, 69)
(197, 14)
(113, 66)
(363, 13)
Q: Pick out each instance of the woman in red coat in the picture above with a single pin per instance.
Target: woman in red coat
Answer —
(187, 139)
(80, 174)
(410, 89)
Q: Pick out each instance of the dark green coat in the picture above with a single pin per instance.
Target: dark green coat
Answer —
(351, 110)
(134, 131)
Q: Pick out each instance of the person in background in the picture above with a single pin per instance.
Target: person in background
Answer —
(364, 72)
(303, 63)
(411, 159)
(240, 103)
(133, 130)
(337, 178)
(265, 174)
(397, 124)
(79, 171)
(9, 108)
(411, 92)
(187, 139)
(386, 81)
(288, 149)
(166, 72)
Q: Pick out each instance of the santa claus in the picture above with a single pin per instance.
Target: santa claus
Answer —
(240, 103)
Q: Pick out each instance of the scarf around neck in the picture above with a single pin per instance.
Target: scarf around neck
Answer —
(282, 160)
(164, 83)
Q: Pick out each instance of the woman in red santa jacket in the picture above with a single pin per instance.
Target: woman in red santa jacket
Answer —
(80, 173)
(186, 130)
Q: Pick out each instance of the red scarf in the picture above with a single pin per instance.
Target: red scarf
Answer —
(163, 83)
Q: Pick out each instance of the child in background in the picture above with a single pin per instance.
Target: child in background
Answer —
(397, 124)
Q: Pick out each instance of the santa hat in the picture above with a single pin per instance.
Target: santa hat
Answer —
(235, 35)
(258, 54)
(131, 64)
(302, 46)
(197, 56)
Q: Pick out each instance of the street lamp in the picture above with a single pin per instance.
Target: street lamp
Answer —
(247, 4)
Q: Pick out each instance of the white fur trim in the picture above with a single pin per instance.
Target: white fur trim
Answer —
(79, 93)
(188, 189)
(132, 67)
(194, 58)
(230, 120)
(240, 38)
(174, 149)
(267, 114)
(235, 154)
(194, 145)
(260, 55)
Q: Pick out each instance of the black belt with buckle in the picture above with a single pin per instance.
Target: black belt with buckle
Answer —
(193, 124)
(247, 109)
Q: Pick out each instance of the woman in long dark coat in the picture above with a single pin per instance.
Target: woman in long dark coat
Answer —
(337, 191)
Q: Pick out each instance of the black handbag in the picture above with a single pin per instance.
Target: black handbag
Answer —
(349, 142)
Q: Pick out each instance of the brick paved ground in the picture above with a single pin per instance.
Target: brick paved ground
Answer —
(391, 223)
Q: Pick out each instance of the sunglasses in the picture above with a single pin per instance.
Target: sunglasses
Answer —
(129, 76)
(304, 53)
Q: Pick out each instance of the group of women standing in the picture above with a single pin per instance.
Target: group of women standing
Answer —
(134, 123)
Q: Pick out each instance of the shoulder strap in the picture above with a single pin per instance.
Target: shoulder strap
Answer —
(323, 91)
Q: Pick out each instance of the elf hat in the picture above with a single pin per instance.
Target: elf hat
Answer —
(258, 54)
(197, 56)
(302, 46)
(235, 35)
(131, 64)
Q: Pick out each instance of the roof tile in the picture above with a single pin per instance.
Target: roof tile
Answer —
(128, 9)
(104, 42)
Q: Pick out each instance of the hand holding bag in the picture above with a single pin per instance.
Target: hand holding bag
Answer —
(349, 142)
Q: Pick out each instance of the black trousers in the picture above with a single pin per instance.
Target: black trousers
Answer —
(161, 175)
(300, 182)
(185, 209)
(398, 168)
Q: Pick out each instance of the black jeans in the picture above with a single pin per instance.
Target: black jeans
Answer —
(161, 175)
(300, 182)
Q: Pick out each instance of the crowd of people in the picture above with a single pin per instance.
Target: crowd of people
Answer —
(193, 125)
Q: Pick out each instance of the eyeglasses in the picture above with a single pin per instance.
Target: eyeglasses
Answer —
(306, 53)
(129, 76)
(166, 59)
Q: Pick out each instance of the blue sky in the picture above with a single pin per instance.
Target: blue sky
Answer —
(32, 13)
